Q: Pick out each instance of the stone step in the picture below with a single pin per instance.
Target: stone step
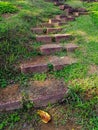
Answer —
(62, 37)
(10, 98)
(54, 21)
(44, 38)
(60, 63)
(65, 6)
(65, 18)
(71, 47)
(51, 25)
(53, 48)
(50, 91)
(40, 93)
(53, 38)
(37, 65)
(45, 30)
(50, 48)
(60, 16)
(53, 30)
(40, 65)
(79, 11)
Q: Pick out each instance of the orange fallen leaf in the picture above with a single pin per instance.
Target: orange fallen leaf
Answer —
(44, 116)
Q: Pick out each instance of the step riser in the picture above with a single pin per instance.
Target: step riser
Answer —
(53, 48)
(46, 31)
(12, 105)
(44, 101)
(40, 68)
(49, 51)
(57, 62)
(56, 38)
(52, 21)
(44, 39)
(47, 25)
(62, 38)
(53, 30)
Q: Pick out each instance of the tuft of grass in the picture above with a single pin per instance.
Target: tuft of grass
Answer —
(40, 77)
(7, 7)
(71, 72)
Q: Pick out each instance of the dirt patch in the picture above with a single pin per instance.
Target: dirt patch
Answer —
(7, 15)
(93, 69)
(39, 60)
(44, 92)
(9, 93)
(69, 126)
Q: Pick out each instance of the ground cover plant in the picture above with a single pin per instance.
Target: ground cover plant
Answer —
(18, 43)
(7, 7)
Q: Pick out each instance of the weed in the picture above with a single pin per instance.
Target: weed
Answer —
(50, 66)
(71, 72)
(40, 77)
(11, 119)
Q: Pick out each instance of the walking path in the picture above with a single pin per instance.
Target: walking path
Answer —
(50, 35)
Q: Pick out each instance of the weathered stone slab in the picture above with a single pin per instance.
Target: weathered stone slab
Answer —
(44, 38)
(45, 30)
(35, 65)
(60, 23)
(34, 68)
(50, 48)
(11, 105)
(60, 16)
(54, 21)
(10, 98)
(59, 37)
(42, 93)
(60, 63)
(53, 30)
(71, 47)
(48, 25)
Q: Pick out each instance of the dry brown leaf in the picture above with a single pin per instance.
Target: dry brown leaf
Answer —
(44, 116)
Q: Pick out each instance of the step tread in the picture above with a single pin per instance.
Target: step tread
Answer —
(40, 65)
(41, 93)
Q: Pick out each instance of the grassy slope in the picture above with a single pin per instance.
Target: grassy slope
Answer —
(83, 98)
(16, 38)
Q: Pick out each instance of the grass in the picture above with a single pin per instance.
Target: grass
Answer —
(7, 7)
(18, 43)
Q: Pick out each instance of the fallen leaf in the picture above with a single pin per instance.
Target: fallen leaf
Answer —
(44, 116)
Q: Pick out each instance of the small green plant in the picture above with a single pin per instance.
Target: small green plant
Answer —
(50, 66)
(40, 77)
(7, 7)
(27, 105)
(11, 119)
(45, 30)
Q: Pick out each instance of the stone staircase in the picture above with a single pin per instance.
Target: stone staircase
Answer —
(41, 93)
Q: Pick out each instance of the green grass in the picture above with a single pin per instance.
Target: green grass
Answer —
(7, 7)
